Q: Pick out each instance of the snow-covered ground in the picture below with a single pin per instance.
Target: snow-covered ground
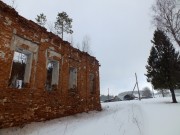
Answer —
(147, 117)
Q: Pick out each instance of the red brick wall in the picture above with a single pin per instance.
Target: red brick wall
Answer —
(34, 103)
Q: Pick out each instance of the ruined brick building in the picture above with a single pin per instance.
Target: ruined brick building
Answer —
(41, 76)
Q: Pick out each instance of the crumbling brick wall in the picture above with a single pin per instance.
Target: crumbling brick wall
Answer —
(33, 102)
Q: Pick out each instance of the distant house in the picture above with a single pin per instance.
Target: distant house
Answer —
(114, 99)
(135, 94)
(129, 97)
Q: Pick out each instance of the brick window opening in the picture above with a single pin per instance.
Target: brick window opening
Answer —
(21, 68)
(72, 78)
(52, 75)
(92, 83)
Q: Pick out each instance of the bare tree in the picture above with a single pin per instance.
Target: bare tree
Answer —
(86, 44)
(71, 40)
(14, 5)
(167, 18)
(50, 27)
(146, 92)
(164, 92)
(78, 46)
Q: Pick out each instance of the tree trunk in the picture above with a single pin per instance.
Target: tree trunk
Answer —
(62, 31)
(163, 93)
(173, 95)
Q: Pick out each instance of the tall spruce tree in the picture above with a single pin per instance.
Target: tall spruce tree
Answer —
(163, 69)
(63, 24)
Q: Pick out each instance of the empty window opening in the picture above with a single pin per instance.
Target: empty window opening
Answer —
(52, 75)
(92, 83)
(20, 69)
(73, 78)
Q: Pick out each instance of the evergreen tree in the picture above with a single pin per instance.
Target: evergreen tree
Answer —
(163, 69)
(41, 19)
(63, 24)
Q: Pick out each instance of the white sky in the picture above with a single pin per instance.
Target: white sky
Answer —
(120, 33)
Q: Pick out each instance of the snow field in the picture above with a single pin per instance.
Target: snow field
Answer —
(147, 117)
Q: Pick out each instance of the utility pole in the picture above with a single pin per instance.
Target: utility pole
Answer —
(137, 87)
(108, 94)
(134, 88)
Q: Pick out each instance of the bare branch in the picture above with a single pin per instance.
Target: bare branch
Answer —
(167, 18)
(14, 5)
(86, 44)
(50, 27)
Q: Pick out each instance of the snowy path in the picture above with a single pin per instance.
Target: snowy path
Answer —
(125, 119)
(148, 117)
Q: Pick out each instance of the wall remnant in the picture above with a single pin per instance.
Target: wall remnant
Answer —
(42, 77)
(2, 54)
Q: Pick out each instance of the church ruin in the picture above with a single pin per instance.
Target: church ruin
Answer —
(41, 76)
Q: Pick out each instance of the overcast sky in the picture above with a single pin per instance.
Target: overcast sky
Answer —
(120, 33)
